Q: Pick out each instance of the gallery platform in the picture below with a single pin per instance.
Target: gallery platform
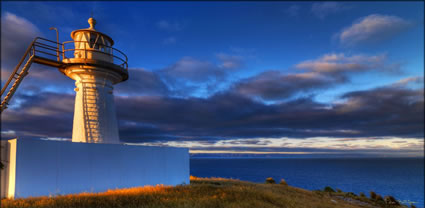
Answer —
(36, 167)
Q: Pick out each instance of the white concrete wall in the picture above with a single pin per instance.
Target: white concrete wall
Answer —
(57, 167)
(4, 173)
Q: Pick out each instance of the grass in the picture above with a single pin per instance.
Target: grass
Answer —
(202, 193)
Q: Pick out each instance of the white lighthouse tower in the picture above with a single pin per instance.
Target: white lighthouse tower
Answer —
(95, 67)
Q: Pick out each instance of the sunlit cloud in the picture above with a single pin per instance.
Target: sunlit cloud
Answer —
(418, 80)
(373, 28)
(293, 146)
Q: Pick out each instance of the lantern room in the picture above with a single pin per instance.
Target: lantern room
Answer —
(90, 47)
(91, 44)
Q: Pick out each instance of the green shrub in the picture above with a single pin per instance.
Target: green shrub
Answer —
(283, 182)
(270, 180)
(379, 199)
(339, 190)
(390, 200)
(372, 195)
(328, 189)
(362, 195)
(350, 194)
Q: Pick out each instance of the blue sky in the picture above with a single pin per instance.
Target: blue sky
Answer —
(288, 59)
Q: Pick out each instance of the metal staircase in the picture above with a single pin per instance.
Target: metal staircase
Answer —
(39, 51)
(17, 78)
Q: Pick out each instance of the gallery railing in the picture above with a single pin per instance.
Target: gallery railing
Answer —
(118, 57)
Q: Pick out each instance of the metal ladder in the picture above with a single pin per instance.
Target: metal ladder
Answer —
(90, 119)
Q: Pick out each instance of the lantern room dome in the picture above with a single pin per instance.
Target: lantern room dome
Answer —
(91, 30)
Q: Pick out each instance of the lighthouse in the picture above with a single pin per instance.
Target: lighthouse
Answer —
(95, 160)
(95, 67)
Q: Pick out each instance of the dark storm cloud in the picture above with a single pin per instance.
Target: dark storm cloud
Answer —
(312, 75)
(388, 111)
(40, 115)
(273, 85)
(393, 109)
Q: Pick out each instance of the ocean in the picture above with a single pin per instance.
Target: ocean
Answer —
(399, 177)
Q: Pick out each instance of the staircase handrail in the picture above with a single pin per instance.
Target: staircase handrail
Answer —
(31, 48)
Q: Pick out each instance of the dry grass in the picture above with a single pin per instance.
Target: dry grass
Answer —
(202, 193)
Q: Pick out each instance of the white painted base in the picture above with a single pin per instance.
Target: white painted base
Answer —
(45, 168)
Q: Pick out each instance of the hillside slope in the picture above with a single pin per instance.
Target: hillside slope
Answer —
(201, 193)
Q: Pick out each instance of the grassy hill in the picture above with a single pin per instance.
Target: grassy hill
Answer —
(203, 193)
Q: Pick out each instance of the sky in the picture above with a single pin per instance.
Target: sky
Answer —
(284, 79)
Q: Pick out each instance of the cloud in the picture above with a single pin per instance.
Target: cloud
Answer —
(16, 35)
(193, 70)
(273, 85)
(238, 142)
(385, 111)
(169, 26)
(40, 115)
(324, 9)
(142, 82)
(189, 76)
(409, 80)
(393, 109)
(230, 61)
(374, 28)
(318, 146)
(318, 74)
(337, 64)
(383, 98)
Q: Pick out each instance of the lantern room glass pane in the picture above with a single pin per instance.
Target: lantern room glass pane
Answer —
(92, 40)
